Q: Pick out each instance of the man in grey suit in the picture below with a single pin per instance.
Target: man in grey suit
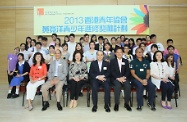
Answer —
(56, 76)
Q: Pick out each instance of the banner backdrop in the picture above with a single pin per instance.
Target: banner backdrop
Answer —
(106, 20)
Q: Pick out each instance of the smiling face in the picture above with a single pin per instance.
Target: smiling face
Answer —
(38, 58)
(20, 58)
(119, 53)
(100, 56)
(77, 57)
(92, 46)
(158, 56)
(78, 47)
(139, 53)
(57, 54)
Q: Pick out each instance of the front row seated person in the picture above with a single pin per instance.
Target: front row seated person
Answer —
(78, 75)
(120, 76)
(56, 76)
(38, 73)
(22, 71)
(159, 77)
(100, 75)
(140, 70)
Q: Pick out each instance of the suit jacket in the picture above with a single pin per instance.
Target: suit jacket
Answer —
(125, 71)
(62, 70)
(94, 69)
(97, 47)
(26, 68)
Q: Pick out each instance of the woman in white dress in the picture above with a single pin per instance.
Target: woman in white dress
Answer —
(159, 77)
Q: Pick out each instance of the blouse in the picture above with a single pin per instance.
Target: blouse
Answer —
(37, 72)
(78, 70)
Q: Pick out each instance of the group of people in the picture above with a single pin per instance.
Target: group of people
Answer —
(146, 65)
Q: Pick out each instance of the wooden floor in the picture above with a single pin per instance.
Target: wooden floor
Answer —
(11, 110)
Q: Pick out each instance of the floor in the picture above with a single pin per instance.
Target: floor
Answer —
(11, 110)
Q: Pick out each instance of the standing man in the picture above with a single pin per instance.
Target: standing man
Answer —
(71, 46)
(85, 44)
(56, 76)
(54, 36)
(140, 70)
(100, 75)
(100, 45)
(120, 77)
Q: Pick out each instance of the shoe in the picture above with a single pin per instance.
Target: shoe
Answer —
(30, 108)
(9, 96)
(71, 104)
(145, 97)
(26, 106)
(38, 93)
(116, 107)
(139, 108)
(80, 94)
(75, 104)
(169, 107)
(152, 107)
(15, 95)
(127, 107)
(107, 108)
(165, 107)
(59, 106)
(46, 105)
(94, 109)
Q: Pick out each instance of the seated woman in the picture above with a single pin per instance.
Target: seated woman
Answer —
(159, 77)
(37, 75)
(108, 55)
(22, 69)
(77, 76)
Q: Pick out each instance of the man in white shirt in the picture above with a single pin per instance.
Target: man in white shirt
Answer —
(25, 53)
(54, 36)
(138, 41)
(71, 46)
(154, 41)
(86, 46)
(45, 47)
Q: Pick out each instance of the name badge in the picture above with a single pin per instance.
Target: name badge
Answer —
(123, 63)
(104, 68)
(141, 70)
(39, 67)
(59, 64)
(10, 58)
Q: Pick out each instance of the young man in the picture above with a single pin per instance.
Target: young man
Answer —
(85, 44)
(100, 45)
(56, 76)
(138, 41)
(71, 46)
(120, 77)
(54, 36)
(122, 37)
(140, 70)
(170, 42)
(45, 47)
(100, 75)
(40, 38)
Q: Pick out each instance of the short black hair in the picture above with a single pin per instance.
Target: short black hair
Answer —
(39, 43)
(170, 46)
(34, 40)
(52, 46)
(81, 38)
(154, 56)
(170, 40)
(40, 37)
(138, 39)
(72, 35)
(138, 49)
(100, 38)
(122, 35)
(142, 44)
(91, 42)
(113, 38)
(143, 39)
(64, 44)
(54, 34)
(107, 43)
(118, 48)
(152, 36)
(22, 44)
(77, 51)
(44, 38)
(154, 45)
(100, 51)
(22, 55)
(126, 45)
(86, 35)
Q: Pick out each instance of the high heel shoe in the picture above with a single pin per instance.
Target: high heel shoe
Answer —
(165, 107)
(30, 108)
(26, 106)
(71, 104)
(74, 104)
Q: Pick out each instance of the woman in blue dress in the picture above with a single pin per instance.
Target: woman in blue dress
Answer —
(21, 73)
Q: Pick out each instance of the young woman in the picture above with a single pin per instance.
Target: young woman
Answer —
(118, 42)
(131, 45)
(108, 55)
(154, 48)
(66, 39)
(33, 46)
(58, 44)
(114, 45)
(94, 38)
(77, 76)
(126, 54)
(159, 77)
(79, 48)
(65, 54)
(38, 73)
(22, 71)
(28, 43)
(106, 40)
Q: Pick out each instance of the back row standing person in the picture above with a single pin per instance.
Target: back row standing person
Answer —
(71, 46)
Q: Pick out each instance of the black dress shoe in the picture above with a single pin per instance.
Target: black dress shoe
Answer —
(15, 95)
(139, 108)
(116, 107)
(107, 108)
(59, 106)
(152, 107)
(46, 105)
(9, 96)
(80, 94)
(145, 97)
(94, 109)
(127, 107)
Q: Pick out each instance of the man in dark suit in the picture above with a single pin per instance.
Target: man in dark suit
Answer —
(100, 45)
(100, 75)
(120, 77)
